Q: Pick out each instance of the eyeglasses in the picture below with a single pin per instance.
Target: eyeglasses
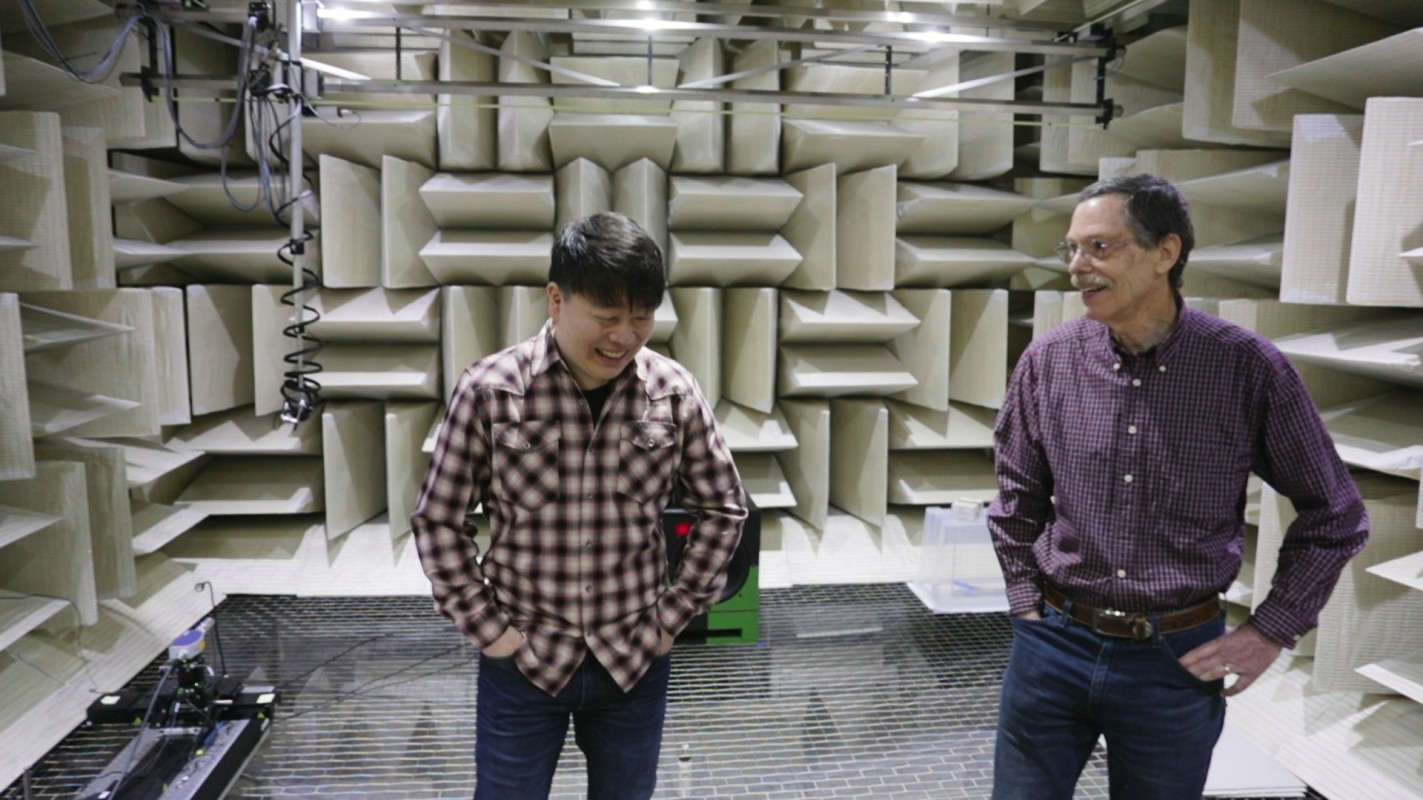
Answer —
(1093, 250)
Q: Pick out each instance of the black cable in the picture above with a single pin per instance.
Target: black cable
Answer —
(301, 394)
(95, 74)
(365, 687)
(216, 635)
(164, 672)
(78, 638)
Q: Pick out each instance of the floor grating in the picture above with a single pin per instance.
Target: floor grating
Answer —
(853, 692)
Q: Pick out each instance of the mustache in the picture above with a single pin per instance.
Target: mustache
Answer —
(1085, 282)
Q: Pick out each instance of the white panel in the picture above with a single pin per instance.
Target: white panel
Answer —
(842, 317)
(936, 478)
(110, 517)
(241, 432)
(1383, 269)
(914, 427)
(807, 467)
(170, 348)
(91, 232)
(753, 143)
(864, 221)
(749, 347)
(376, 315)
(496, 258)
(921, 349)
(612, 141)
(701, 126)
(583, 189)
(256, 485)
(747, 430)
(955, 209)
(404, 135)
(405, 426)
(696, 342)
(59, 560)
(36, 212)
(490, 200)
(122, 367)
(978, 347)
(17, 455)
(1388, 67)
(725, 202)
(858, 485)
(1279, 34)
(834, 370)
(1319, 225)
(353, 457)
(811, 228)
(466, 123)
(944, 261)
(406, 225)
(729, 259)
(523, 121)
(850, 145)
(469, 330)
(1212, 34)
(985, 144)
(640, 193)
(351, 207)
(220, 356)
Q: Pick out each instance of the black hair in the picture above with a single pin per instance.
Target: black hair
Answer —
(610, 261)
(1155, 210)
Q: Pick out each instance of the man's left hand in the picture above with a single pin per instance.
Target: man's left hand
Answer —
(1243, 652)
(665, 646)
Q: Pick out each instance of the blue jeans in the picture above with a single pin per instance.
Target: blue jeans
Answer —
(520, 729)
(1066, 686)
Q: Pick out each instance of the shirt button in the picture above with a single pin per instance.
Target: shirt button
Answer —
(1131, 429)
(651, 443)
(1117, 366)
(1121, 573)
(588, 543)
(527, 445)
(1128, 478)
(588, 588)
(1136, 381)
(1161, 368)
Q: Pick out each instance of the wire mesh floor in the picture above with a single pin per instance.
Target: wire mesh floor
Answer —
(853, 692)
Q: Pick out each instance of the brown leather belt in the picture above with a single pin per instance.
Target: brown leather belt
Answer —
(1134, 625)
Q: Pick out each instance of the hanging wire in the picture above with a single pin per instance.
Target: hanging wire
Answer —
(95, 74)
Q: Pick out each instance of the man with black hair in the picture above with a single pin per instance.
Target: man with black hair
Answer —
(574, 442)
(1123, 448)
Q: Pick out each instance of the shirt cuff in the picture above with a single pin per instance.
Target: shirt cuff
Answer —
(1277, 626)
(673, 613)
(1024, 597)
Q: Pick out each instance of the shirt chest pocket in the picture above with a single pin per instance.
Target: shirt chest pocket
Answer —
(526, 463)
(647, 460)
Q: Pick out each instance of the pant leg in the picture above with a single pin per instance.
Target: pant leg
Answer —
(620, 733)
(1046, 731)
(1161, 722)
(519, 733)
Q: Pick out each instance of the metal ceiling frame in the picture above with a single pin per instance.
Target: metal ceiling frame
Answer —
(1064, 47)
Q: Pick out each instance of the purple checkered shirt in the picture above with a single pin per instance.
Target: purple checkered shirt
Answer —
(1122, 478)
(576, 560)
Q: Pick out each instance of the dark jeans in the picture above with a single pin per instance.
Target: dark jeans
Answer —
(520, 729)
(1066, 686)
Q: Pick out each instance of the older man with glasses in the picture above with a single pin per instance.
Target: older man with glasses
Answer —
(1123, 449)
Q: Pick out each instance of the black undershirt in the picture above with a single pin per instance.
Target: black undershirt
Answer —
(596, 398)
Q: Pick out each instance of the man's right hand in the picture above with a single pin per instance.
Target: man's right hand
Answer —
(508, 642)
